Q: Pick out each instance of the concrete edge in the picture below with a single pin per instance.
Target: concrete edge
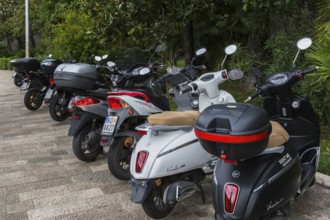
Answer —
(322, 179)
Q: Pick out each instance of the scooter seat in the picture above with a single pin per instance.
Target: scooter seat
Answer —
(278, 137)
(174, 118)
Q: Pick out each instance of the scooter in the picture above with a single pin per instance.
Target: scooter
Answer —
(126, 112)
(90, 112)
(38, 79)
(169, 163)
(262, 164)
(60, 107)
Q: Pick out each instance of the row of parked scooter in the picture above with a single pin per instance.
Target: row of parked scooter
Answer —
(260, 158)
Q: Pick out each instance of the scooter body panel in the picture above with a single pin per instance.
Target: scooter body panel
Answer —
(223, 97)
(265, 183)
(169, 153)
(140, 106)
(302, 124)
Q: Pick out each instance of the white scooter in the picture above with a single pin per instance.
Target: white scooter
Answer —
(128, 109)
(168, 164)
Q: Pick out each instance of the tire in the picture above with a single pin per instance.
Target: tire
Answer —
(33, 98)
(86, 145)
(154, 205)
(18, 80)
(119, 156)
(58, 108)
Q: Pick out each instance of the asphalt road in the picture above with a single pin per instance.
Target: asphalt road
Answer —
(40, 178)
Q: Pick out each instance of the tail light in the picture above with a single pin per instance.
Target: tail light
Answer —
(141, 132)
(77, 101)
(231, 192)
(52, 81)
(116, 103)
(140, 161)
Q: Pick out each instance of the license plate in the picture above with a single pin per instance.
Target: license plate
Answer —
(25, 86)
(70, 109)
(49, 94)
(109, 125)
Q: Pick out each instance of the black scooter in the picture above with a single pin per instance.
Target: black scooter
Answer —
(38, 79)
(263, 164)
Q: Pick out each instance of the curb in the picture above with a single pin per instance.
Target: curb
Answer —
(322, 179)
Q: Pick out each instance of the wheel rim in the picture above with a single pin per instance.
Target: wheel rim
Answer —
(60, 109)
(34, 99)
(158, 201)
(87, 147)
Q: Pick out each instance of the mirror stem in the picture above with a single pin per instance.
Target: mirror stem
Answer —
(224, 59)
(294, 61)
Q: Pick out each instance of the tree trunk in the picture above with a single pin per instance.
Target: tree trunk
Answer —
(8, 43)
(188, 42)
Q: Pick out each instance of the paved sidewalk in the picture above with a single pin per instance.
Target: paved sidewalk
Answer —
(40, 178)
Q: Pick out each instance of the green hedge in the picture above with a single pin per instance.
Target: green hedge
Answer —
(5, 63)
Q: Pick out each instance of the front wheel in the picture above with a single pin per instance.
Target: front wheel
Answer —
(119, 156)
(58, 108)
(86, 145)
(33, 98)
(154, 205)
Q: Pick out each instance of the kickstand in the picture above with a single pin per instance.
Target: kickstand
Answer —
(202, 191)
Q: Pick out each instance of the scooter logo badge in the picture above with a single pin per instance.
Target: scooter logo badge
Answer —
(273, 204)
(285, 160)
(236, 174)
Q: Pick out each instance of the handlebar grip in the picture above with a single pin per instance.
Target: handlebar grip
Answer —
(255, 94)
(306, 71)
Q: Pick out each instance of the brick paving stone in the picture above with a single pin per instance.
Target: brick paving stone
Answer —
(40, 178)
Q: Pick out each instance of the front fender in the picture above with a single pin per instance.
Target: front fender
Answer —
(140, 190)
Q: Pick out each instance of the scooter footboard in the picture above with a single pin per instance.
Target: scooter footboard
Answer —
(255, 187)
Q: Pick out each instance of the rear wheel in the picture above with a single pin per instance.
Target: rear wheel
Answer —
(33, 98)
(58, 108)
(154, 205)
(86, 145)
(18, 80)
(119, 156)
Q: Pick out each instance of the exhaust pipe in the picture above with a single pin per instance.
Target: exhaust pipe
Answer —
(178, 191)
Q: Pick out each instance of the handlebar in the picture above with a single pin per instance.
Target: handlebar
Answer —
(311, 70)
(168, 75)
(191, 87)
(293, 77)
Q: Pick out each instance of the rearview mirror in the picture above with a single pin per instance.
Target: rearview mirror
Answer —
(160, 48)
(97, 58)
(229, 50)
(111, 64)
(105, 56)
(304, 43)
(144, 71)
(200, 52)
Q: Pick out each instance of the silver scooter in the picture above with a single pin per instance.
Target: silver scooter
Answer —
(168, 163)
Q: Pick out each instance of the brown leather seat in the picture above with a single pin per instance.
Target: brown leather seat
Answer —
(278, 136)
(174, 118)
